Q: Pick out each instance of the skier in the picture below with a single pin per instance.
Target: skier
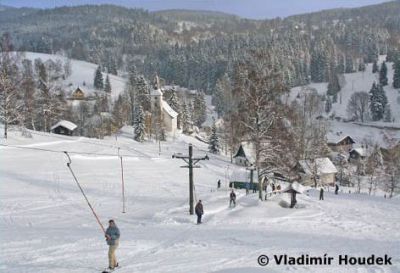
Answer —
(321, 194)
(247, 188)
(112, 238)
(278, 188)
(219, 184)
(232, 199)
(273, 188)
(199, 211)
(336, 189)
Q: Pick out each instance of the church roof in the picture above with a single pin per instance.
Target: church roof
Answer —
(156, 92)
(171, 112)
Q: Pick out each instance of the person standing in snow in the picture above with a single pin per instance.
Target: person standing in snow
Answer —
(219, 184)
(321, 194)
(336, 189)
(247, 188)
(112, 238)
(232, 199)
(199, 211)
(273, 188)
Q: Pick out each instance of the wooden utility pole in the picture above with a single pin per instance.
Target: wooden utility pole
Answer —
(191, 161)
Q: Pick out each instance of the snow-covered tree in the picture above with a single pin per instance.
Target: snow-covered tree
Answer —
(383, 80)
(357, 106)
(107, 85)
(388, 114)
(396, 75)
(333, 85)
(375, 67)
(214, 145)
(199, 109)
(378, 102)
(98, 79)
(139, 125)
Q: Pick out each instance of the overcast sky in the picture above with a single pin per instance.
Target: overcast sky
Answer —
(258, 9)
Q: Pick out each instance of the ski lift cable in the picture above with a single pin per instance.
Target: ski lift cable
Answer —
(83, 193)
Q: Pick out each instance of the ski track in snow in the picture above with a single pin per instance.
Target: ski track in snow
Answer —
(47, 226)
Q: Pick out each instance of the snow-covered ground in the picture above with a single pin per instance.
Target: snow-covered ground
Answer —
(82, 74)
(46, 225)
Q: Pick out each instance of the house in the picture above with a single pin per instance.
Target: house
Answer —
(159, 106)
(78, 94)
(358, 153)
(321, 169)
(245, 155)
(338, 142)
(64, 127)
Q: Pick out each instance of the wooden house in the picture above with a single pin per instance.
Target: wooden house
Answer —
(78, 94)
(339, 142)
(63, 127)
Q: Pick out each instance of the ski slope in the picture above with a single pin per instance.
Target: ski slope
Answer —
(46, 225)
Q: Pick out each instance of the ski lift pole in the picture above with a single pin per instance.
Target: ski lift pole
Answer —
(123, 183)
(83, 193)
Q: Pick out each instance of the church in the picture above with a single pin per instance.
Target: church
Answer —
(169, 117)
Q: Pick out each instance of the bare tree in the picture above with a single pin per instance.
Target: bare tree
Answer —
(357, 106)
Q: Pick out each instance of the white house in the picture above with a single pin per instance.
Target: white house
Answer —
(321, 168)
(158, 105)
(245, 155)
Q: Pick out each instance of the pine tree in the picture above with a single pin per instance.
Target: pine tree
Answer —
(349, 64)
(184, 117)
(375, 67)
(378, 102)
(214, 146)
(139, 125)
(383, 80)
(199, 109)
(333, 85)
(328, 104)
(98, 79)
(388, 114)
(396, 75)
(107, 86)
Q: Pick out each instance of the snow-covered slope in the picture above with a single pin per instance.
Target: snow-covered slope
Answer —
(46, 225)
(82, 74)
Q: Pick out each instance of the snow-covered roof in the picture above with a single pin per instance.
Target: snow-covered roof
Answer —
(322, 165)
(336, 138)
(361, 151)
(156, 92)
(168, 109)
(249, 151)
(66, 124)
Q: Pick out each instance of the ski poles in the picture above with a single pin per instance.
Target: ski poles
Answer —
(83, 193)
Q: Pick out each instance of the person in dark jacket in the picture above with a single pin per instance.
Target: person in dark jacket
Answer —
(336, 189)
(273, 188)
(199, 211)
(321, 194)
(112, 238)
(219, 184)
(232, 199)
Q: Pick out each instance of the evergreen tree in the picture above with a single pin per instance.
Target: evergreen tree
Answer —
(328, 104)
(333, 86)
(214, 146)
(388, 114)
(98, 79)
(396, 75)
(375, 67)
(184, 117)
(139, 124)
(199, 109)
(361, 66)
(107, 85)
(378, 102)
(383, 80)
(349, 64)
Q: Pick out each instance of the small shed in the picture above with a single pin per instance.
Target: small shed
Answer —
(64, 127)
(245, 155)
(358, 153)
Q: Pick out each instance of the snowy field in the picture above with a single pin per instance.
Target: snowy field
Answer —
(46, 225)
